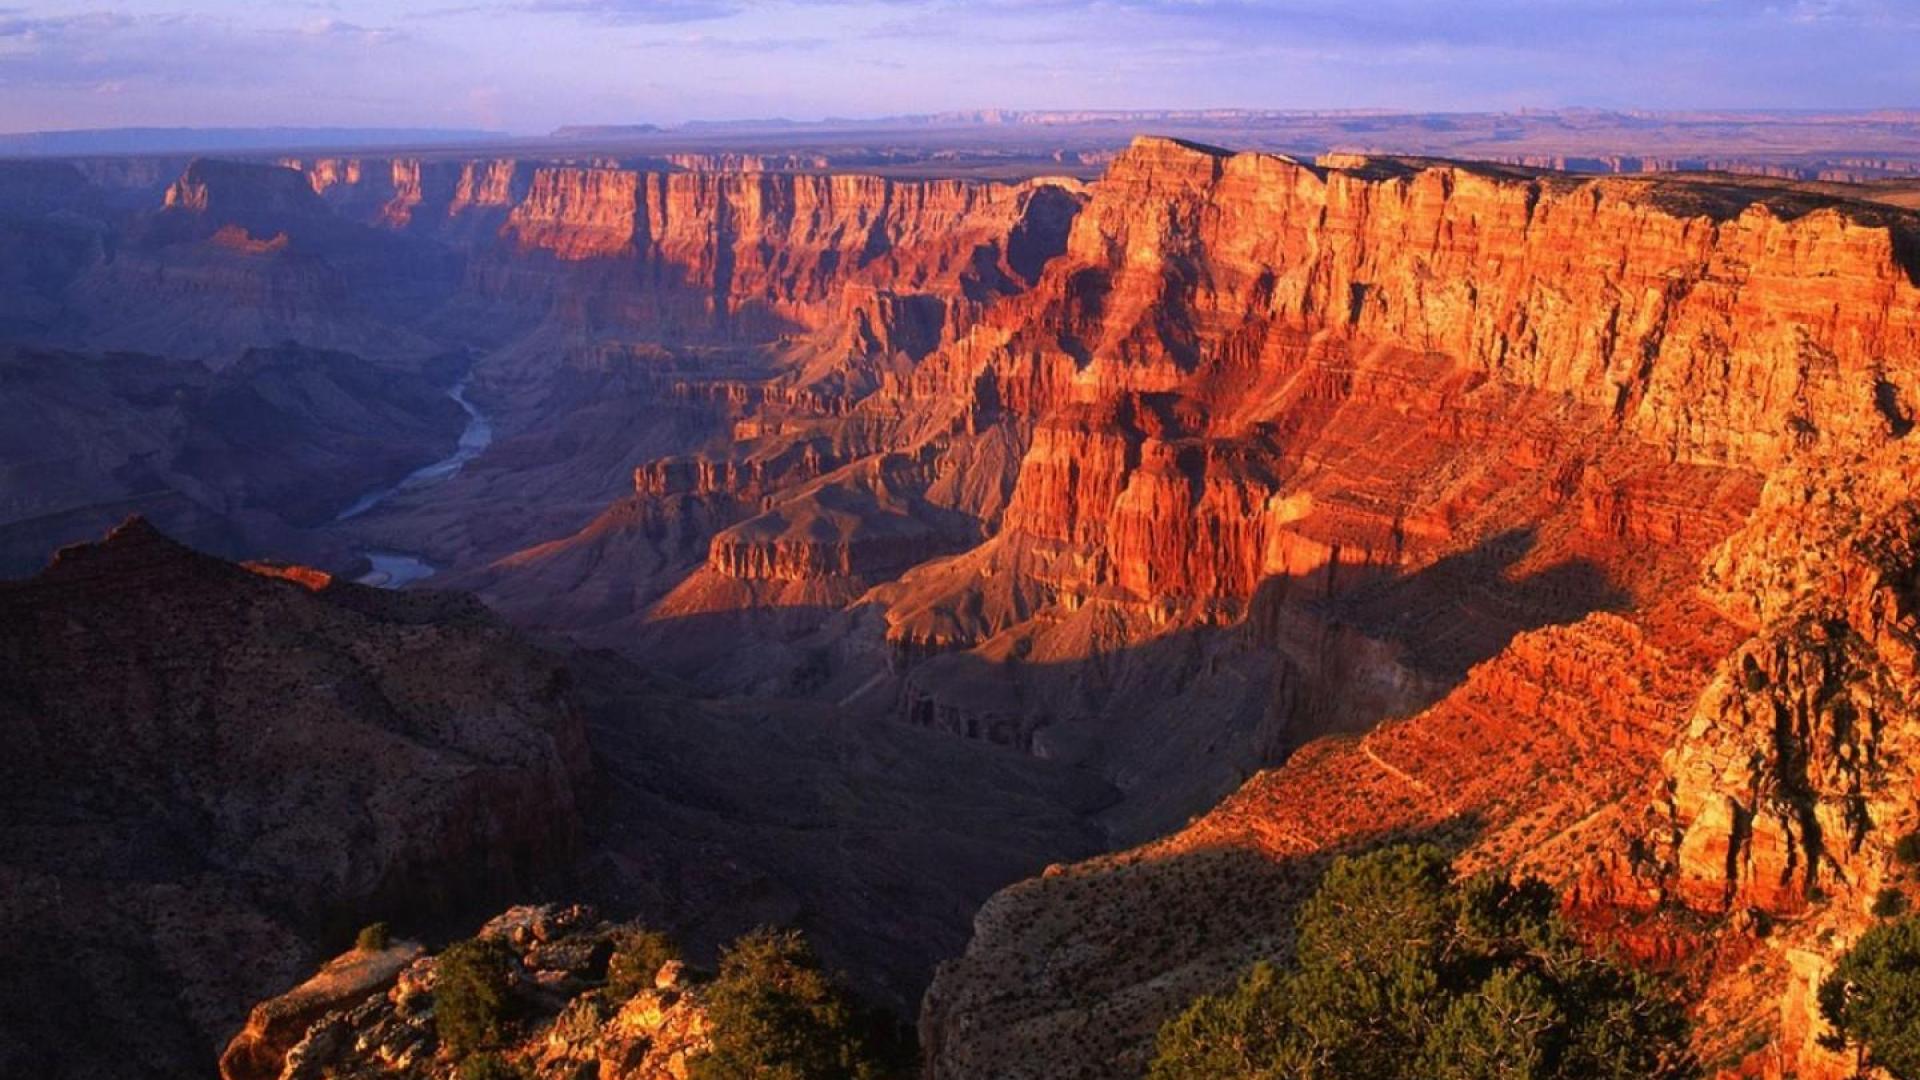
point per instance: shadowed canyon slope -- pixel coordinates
(217, 772)
(979, 525)
(210, 768)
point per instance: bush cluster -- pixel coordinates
(1872, 998)
(638, 956)
(1402, 971)
(775, 1013)
(471, 994)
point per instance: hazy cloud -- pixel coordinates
(340, 28)
(535, 64)
(637, 11)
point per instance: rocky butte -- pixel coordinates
(1222, 514)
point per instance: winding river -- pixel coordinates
(398, 569)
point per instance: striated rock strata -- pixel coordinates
(1439, 406)
(1562, 519)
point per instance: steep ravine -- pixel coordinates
(398, 569)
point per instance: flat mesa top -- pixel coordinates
(1847, 147)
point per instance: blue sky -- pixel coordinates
(531, 65)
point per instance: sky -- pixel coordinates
(527, 66)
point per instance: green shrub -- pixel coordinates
(1401, 971)
(775, 1013)
(1872, 998)
(489, 1066)
(1906, 850)
(1889, 903)
(373, 937)
(638, 956)
(470, 994)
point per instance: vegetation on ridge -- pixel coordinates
(1872, 998)
(638, 956)
(776, 1013)
(1403, 971)
(471, 993)
(772, 1012)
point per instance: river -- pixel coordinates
(394, 569)
(398, 569)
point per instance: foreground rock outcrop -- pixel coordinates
(277, 1025)
(372, 1014)
(211, 772)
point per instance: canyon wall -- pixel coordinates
(1170, 475)
(727, 253)
(1261, 413)
(1218, 320)
(394, 257)
(1448, 408)
(1562, 519)
(1723, 324)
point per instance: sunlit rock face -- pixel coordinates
(1562, 520)
(720, 253)
(746, 254)
(1376, 419)
(1793, 777)
(1387, 419)
(1261, 450)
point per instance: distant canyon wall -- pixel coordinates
(736, 251)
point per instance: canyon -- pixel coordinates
(1023, 583)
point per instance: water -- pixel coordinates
(474, 439)
(394, 569)
(398, 569)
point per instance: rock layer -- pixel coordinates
(1381, 394)
(1561, 519)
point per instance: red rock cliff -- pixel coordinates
(1434, 407)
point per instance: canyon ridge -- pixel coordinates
(1022, 572)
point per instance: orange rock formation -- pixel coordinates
(1440, 405)
(1539, 482)
(1569, 520)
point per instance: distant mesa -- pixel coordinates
(604, 131)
